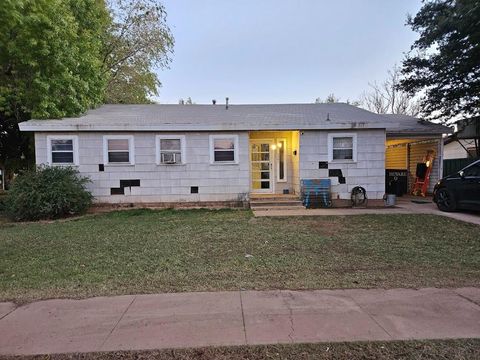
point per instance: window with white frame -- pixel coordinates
(170, 149)
(223, 149)
(342, 147)
(118, 149)
(62, 150)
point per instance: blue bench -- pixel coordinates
(316, 193)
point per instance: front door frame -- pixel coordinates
(270, 142)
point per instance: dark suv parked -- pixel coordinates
(460, 190)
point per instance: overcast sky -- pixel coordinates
(282, 51)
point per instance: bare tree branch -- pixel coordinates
(386, 98)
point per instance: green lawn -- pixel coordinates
(144, 251)
(467, 349)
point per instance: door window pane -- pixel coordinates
(281, 160)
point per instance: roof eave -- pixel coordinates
(25, 126)
(414, 134)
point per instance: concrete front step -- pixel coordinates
(264, 202)
(273, 197)
(275, 203)
(277, 208)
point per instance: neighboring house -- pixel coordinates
(458, 149)
(465, 142)
(211, 153)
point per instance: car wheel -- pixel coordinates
(445, 200)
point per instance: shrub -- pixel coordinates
(47, 193)
(3, 195)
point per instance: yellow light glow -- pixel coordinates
(279, 145)
(428, 164)
(274, 147)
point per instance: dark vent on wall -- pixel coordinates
(129, 183)
(323, 164)
(117, 191)
(101, 167)
(194, 190)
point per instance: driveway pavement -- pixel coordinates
(405, 205)
(236, 318)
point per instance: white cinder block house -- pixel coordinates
(211, 153)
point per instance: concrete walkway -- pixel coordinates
(404, 206)
(237, 318)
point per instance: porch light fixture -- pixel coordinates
(279, 145)
(274, 147)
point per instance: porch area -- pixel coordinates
(274, 165)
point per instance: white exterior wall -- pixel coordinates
(159, 183)
(454, 150)
(368, 171)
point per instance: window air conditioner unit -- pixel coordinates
(169, 158)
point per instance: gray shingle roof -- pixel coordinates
(159, 117)
(414, 126)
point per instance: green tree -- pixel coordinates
(138, 41)
(50, 64)
(444, 63)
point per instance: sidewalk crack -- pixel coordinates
(243, 318)
(8, 313)
(116, 324)
(290, 316)
(371, 317)
(466, 298)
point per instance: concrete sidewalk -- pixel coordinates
(237, 318)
